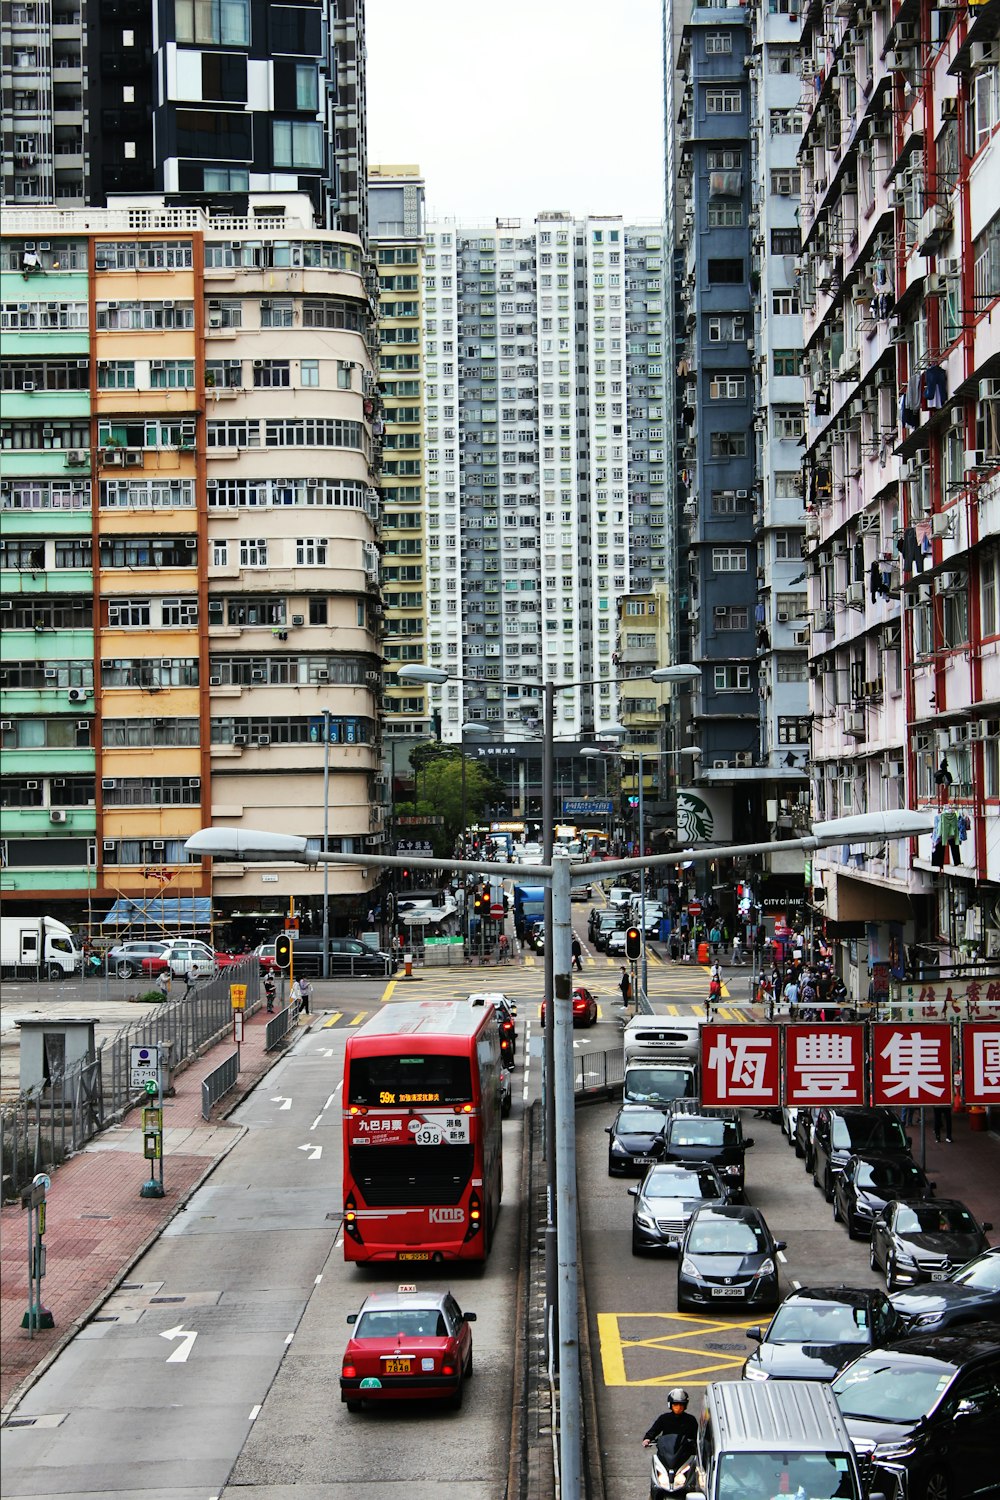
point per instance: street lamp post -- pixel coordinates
(248, 844)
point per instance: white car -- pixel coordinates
(187, 956)
(616, 944)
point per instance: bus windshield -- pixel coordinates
(416, 1078)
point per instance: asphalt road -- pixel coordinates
(214, 1369)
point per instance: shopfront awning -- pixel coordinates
(168, 913)
(863, 901)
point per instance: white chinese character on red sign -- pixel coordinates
(740, 1065)
(981, 1055)
(824, 1064)
(912, 1065)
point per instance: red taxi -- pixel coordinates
(407, 1345)
(584, 1007)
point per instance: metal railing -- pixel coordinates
(44, 1125)
(279, 1026)
(217, 1083)
(597, 1073)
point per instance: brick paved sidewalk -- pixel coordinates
(97, 1224)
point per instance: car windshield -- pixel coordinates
(681, 1185)
(935, 1219)
(641, 1121)
(861, 1133)
(726, 1237)
(895, 1176)
(704, 1133)
(662, 1084)
(808, 1322)
(984, 1273)
(411, 1322)
(875, 1389)
(759, 1476)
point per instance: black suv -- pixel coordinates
(839, 1134)
(817, 1330)
(923, 1414)
(711, 1135)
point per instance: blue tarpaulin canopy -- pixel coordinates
(160, 911)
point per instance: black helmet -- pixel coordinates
(678, 1396)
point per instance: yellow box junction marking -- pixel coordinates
(677, 1333)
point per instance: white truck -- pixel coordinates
(40, 946)
(661, 1057)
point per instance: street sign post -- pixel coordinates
(146, 1074)
(144, 1064)
(33, 1199)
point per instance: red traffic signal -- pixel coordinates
(283, 951)
(633, 943)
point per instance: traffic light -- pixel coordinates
(633, 943)
(283, 951)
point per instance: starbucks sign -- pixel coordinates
(703, 816)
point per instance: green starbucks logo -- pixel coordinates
(695, 820)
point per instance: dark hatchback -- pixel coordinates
(728, 1258)
(839, 1134)
(923, 1414)
(717, 1138)
(818, 1330)
(636, 1139)
(668, 1198)
(867, 1183)
(971, 1295)
(921, 1241)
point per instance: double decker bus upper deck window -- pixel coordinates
(401, 1081)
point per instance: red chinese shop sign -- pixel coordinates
(740, 1066)
(981, 1062)
(824, 1065)
(911, 1064)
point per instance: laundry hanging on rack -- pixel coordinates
(934, 387)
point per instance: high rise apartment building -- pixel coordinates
(546, 486)
(741, 589)
(197, 102)
(900, 283)
(189, 559)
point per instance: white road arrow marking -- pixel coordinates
(180, 1354)
(325, 1051)
(317, 1151)
(281, 1101)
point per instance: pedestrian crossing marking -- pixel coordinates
(338, 1015)
(362, 1015)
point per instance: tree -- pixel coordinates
(437, 773)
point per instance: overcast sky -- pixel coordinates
(514, 106)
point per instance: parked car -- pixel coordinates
(670, 1194)
(348, 956)
(635, 1139)
(407, 1345)
(867, 1183)
(818, 1330)
(186, 956)
(914, 1240)
(839, 1134)
(728, 1255)
(803, 1137)
(923, 1414)
(584, 1007)
(714, 1136)
(125, 959)
(971, 1294)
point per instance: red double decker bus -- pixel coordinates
(422, 1151)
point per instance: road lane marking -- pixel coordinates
(179, 1355)
(281, 1101)
(331, 1098)
(318, 1279)
(317, 1151)
(387, 992)
(361, 1015)
(338, 1015)
(254, 1413)
(796, 1284)
(316, 1121)
(783, 1257)
(677, 1333)
(288, 1338)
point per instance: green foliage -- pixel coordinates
(437, 772)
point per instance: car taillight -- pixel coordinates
(351, 1225)
(447, 1369)
(349, 1372)
(475, 1215)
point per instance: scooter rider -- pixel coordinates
(676, 1423)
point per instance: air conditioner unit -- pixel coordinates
(958, 734)
(133, 459)
(159, 843)
(721, 765)
(800, 637)
(783, 617)
(56, 815)
(50, 674)
(744, 758)
(31, 786)
(323, 676)
(883, 377)
(76, 456)
(721, 611)
(856, 595)
(157, 364)
(983, 55)
(977, 730)
(934, 285)
(112, 458)
(239, 739)
(215, 320)
(27, 385)
(6, 724)
(900, 60)
(78, 695)
(854, 722)
(194, 781)
(298, 619)
(263, 739)
(83, 723)
(108, 784)
(215, 682)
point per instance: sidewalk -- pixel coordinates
(98, 1226)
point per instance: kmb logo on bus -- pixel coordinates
(445, 1215)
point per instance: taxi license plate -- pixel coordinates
(727, 1291)
(396, 1367)
(413, 1255)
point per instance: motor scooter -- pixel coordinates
(668, 1477)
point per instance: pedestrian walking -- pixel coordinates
(675, 948)
(942, 1121)
(504, 947)
(737, 950)
(714, 994)
(188, 982)
(790, 995)
(577, 951)
(295, 996)
(305, 991)
(715, 938)
(625, 985)
(163, 984)
(269, 990)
